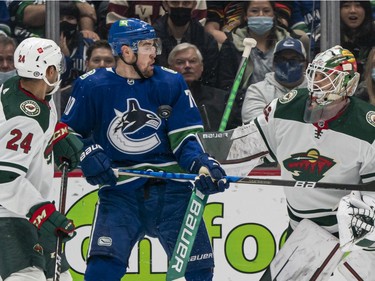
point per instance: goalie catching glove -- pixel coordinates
(211, 177)
(356, 220)
(66, 147)
(50, 222)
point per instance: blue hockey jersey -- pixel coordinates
(123, 116)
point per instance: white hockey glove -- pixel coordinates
(356, 221)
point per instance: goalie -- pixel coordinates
(322, 133)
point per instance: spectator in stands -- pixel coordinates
(223, 17)
(72, 43)
(260, 25)
(178, 26)
(289, 65)
(306, 17)
(146, 10)
(366, 89)
(186, 59)
(98, 54)
(28, 19)
(357, 30)
(4, 19)
(7, 47)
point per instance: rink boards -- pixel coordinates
(246, 226)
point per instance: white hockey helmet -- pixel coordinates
(332, 75)
(34, 55)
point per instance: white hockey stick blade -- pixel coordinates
(238, 145)
(310, 254)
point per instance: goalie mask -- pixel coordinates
(34, 55)
(331, 77)
(131, 32)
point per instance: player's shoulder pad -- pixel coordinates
(16, 103)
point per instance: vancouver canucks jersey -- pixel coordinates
(26, 167)
(127, 117)
(341, 150)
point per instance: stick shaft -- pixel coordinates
(62, 204)
(233, 94)
(251, 181)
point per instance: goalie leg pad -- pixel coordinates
(310, 253)
(358, 265)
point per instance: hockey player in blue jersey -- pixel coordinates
(139, 115)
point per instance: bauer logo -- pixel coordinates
(105, 241)
(30, 108)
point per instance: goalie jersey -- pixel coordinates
(140, 123)
(26, 164)
(340, 150)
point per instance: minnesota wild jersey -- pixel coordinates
(340, 150)
(26, 167)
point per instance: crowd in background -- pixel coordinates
(211, 36)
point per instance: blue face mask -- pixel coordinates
(373, 74)
(288, 71)
(260, 25)
(6, 75)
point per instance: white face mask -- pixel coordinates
(373, 74)
(6, 75)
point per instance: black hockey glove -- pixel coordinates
(96, 166)
(211, 176)
(66, 147)
(50, 222)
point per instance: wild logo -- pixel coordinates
(370, 117)
(30, 108)
(288, 97)
(308, 166)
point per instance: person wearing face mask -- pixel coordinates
(28, 18)
(259, 23)
(289, 64)
(7, 47)
(366, 89)
(178, 26)
(72, 43)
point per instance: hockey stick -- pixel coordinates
(62, 201)
(252, 181)
(184, 244)
(249, 43)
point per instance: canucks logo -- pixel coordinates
(134, 131)
(308, 166)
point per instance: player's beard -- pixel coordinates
(148, 71)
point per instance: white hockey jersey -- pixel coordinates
(341, 150)
(26, 164)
